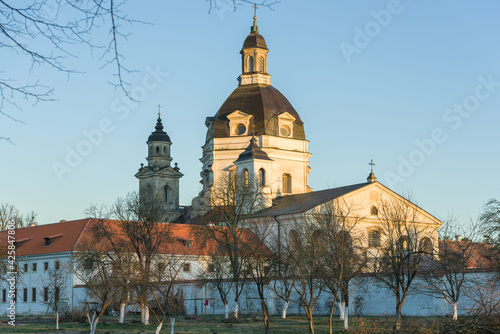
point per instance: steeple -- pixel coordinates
(254, 57)
(158, 181)
(159, 145)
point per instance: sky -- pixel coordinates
(413, 85)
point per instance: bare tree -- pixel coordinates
(260, 261)
(490, 219)
(41, 34)
(10, 214)
(397, 261)
(53, 292)
(235, 198)
(304, 251)
(342, 256)
(484, 291)
(216, 273)
(139, 224)
(104, 264)
(445, 274)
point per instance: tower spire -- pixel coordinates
(371, 177)
(254, 29)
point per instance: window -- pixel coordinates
(161, 267)
(165, 149)
(374, 238)
(245, 178)
(45, 266)
(25, 295)
(33, 267)
(403, 243)
(211, 268)
(262, 177)
(166, 191)
(4, 295)
(287, 183)
(426, 245)
(25, 267)
(250, 64)
(240, 129)
(33, 294)
(261, 64)
(149, 193)
(56, 265)
(188, 244)
(157, 149)
(374, 211)
(46, 294)
(186, 267)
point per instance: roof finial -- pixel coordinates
(159, 107)
(371, 178)
(371, 163)
(255, 28)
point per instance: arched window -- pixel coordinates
(262, 177)
(157, 149)
(164, 149)
(250, 64)
(343, 240)
(245, 177)
(403, 244)
(287, 183)
(374, 211)
(426, 246)
(374, 238)
(261, 64)
(166, 191)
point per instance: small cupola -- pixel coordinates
(254, 57)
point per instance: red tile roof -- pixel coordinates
(72, 235)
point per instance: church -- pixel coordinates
(256, 133)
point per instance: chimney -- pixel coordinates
(458, 238)
(32, 224)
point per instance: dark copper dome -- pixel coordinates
(264, 103)
(255, 41)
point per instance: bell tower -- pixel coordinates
(159, 181)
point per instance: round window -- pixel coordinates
(285, 131)
(240, 129)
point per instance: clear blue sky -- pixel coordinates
(365, 89)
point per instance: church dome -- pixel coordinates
(255, 41)
(159, 134)
(265, 103)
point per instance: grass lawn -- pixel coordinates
(216, 324)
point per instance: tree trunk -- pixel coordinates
(310, 318)
(265, 316)
(144, 315)
(57, 321)
(227, 311)
(122, 313)
(342, 310)
(284, 309)
(346, 317)
(158, 328)
(455, 310)
(93, 324)
(236, 309)
(330, 319)
(172, 324)
(397, 325)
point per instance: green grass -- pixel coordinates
(216, 324)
